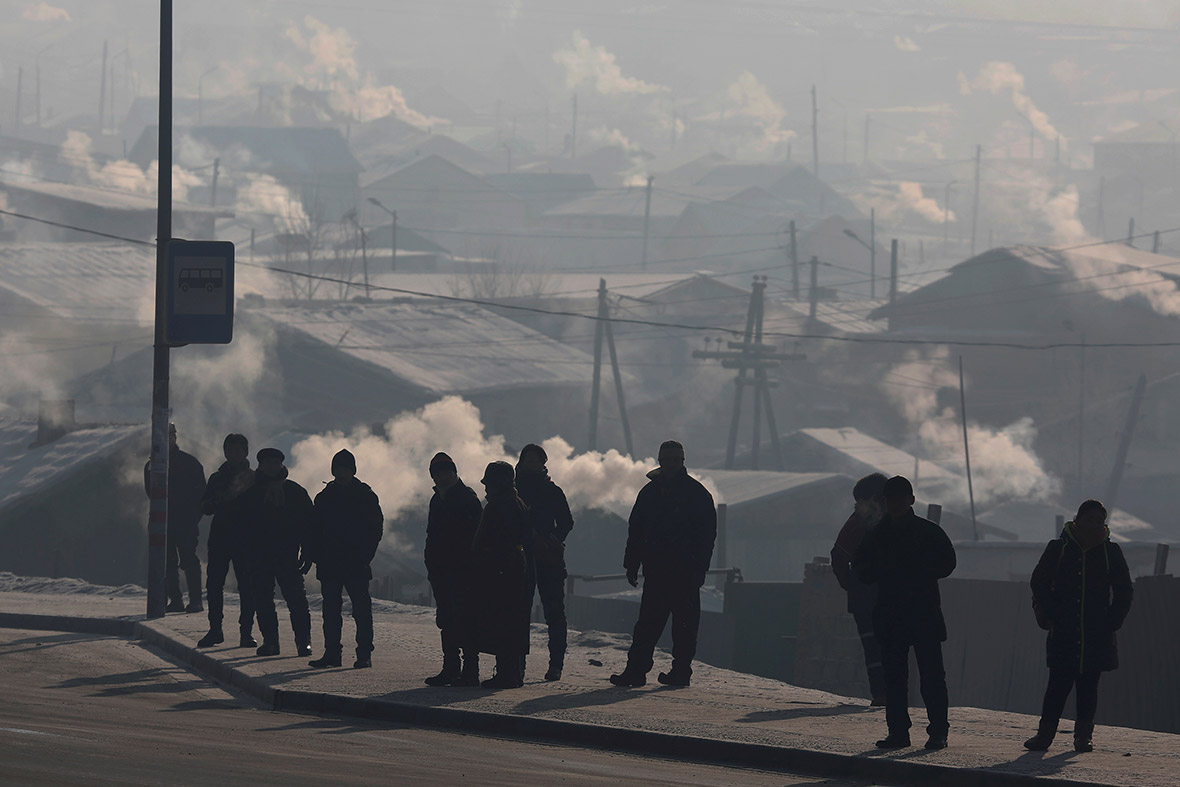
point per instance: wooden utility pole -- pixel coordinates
(1101, 218)
(614, 366)
(1131, 232)
(1155, 242)
(646, 220)
(967, 450)
(213, 187)
(814, 292)
(815, 143)
(1120, 457)
(872, 252)
(102, 90)
(975, 201)
(37, 95)
(602, 329)
(892, 271)
(793, 250)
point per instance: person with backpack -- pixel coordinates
(1081, 593)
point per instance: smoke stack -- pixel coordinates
(55, 418)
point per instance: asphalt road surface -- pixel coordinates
(78, 709)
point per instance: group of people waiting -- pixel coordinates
(889, 561)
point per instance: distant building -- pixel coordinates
(433, 194)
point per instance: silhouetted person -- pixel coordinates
(551, 522)
(501, 583)
(227, 541)
(454, 517)
(670, 536)
(186, 487)
(346, 532)
(279, 514)
(905, 556)
(870, 507)
(1082, 586)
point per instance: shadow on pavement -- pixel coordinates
(1036, 762)
(785, 714)
(43, 643)
(583, 699)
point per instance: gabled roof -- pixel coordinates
(552, 187)
(281, 150)
(108, 199)
(82, 281)
(449, 176)
(407, 240)
(1142, 134)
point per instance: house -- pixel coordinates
(542, 191)
(433, 193)
(1147, 151)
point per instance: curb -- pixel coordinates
(618, 739)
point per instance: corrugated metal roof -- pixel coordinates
(109, 199)
(24, 471)
(82, 281)
(870, 451)
(441, 349)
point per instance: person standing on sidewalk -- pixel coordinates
(451, 523)
(1082, 587)
(551, 522)
(905, 556)
(502, 619)
(345, 534)
(870, 507)
(227, 541)
(186, 488)
(670, 535)
(279, 513)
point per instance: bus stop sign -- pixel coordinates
(200, 292)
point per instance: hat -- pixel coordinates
(270, 453)
(345, 459)
(535, 449)
(236, 439)
(671, 449)
(499, 474)
(440, 462)
(898, 488)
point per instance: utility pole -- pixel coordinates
(892, 271)
(393, 242)
(794, 252)
(814, 294)
(1131, 233)
(646, 221)
(37, 96)
(975, 202)
(1081, 415)
(967, 450)
(865, 155)
(574, 130)
(614, 366)
(1120, 457)
(815, 140)
(1155, 242)
(158, 467)
(364, 258)
(102, 89)
(599, 330)
(213, 189)
(873, 253)
(1101, 219)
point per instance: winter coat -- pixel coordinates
(222, 500)
(905, 557)
(861, 597)
(451, 523)
(346, 531)
(502, 603)
(672, 528)
(550, 520)
(1086, 594)
(186, 487)
(278, 514)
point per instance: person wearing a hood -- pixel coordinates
(278, 513)
(227, 542)
(502, 616)
(905, 556)
(870, 507)
(345, 534)
(451, 523)
(550, 521)
(186, 487)
(1082, 587)
(670, 535)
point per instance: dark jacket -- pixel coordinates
(222, 500)
(1087, 594)
(346, 531)
(905, 557)
(550, 520)
(186, 487)
(672, 528)
(501, 576)
(278, 514)
(450, 530)
(861, 597)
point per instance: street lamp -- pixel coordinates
(872, 260)
(351, 217)
(201, 95)
(393, 233)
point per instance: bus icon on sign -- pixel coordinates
(209, 279)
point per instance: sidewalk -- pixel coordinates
(724, 716)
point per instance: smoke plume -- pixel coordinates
(584, 63)
(998, 77)
(44, 12)
(749, 99)
(123, 175)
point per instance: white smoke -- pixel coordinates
(371, 101)
(263, 196)
(1000, 76)
(1117, 273)
(749, 99)
(585, 63)
(894, 206)
(1003, 464)
(44, 12)
(332, 50)
(905, 44)
(123, 175)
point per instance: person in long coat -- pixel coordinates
(451, 523)
(186, 488)
(501, 577)
(346, 531)
(1082, 588)
(905, 556)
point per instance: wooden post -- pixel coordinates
(967, 450)
(599, 330)
(1161, 560)
(892, 271)
(1120, 456)
(614, 365)
(794, 251)
(814, 287)
(975, 202)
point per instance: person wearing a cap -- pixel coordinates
(451, 523)
(186, 487)
(345, 534)
(278, 513)
(226, 541)
(502, 618)
(550, 521)
(905, 556)
(670, 537)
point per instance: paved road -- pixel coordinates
(76, 709)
